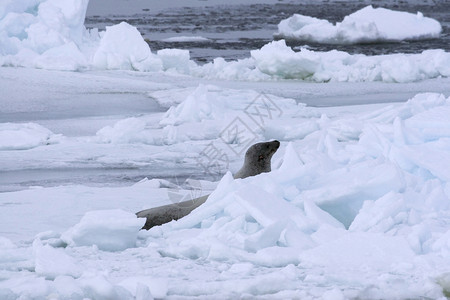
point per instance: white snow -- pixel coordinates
(357, 205)
(367, 25)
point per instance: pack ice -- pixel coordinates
(358, 208)
(29, 39)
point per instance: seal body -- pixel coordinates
(166, 213)
(257, 160)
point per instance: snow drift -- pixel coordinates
(50, 35)
(367, 25)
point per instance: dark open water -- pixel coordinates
(234, 30)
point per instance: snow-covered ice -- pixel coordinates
(367, 25)
(356, 206)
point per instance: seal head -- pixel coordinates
(257, 159)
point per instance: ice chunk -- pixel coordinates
(216, 203)
(278, 60)
(266, 208)
(66, 57)
(124, 131)
(50, 34)
(175, 60)
(66, 18)
(320, 216)
(432, 124)
(52, 27)
(276, 257)
(99, 287)
(121, 47)
(156, 287)
(343, 191)
(52, 262)
(291, 162)
(196, 107)
(17, 136)
(382, 214)
(109, 230)
(266, 237)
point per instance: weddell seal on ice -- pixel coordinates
(257, 161)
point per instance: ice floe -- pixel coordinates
(367, 25)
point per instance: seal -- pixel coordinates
(257, 160)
